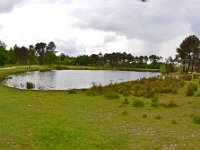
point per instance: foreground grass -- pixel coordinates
(59, 120)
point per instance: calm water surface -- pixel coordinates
(72, 79)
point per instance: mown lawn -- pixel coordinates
(58, 120)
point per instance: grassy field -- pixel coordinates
(81, 120)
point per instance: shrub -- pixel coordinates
(187, 77)
(164, 69)
(196, 76)
(139, 93)
(196, 119)
(124, 91)
(174, 90)
(155, 98)
(158, 117)
(112, 95)
(150, 94)
(125, 102)
(182, 83)
(29, 85)
(138, 103)
(155, 104)
(144, 116)
(191, 88)
(95, 90)
(197, 94)
(174, 122)
(124, 112)
(72, 91)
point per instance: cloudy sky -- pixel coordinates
(93, 26)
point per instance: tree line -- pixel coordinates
(188, 57)
(42, 53)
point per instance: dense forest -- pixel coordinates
(188, 57)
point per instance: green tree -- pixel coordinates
(51, 46)
(155, 61)
(32, 59)
(21, 54)
(41, 50)
(62, 58)
(3, 54)
(50, 58)
(189, 53)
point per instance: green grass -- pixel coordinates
(56, 120)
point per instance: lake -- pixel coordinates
(73, 79)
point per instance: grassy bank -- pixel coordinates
(143, 114)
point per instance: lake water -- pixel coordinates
(73, 79)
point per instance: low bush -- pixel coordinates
(112, 95)
(124, 112)
(196, 119)
(138, 103)
(196, 76)
(155, 104)
(187, 77)
(29, 85)
(155, 98)
(197, 94)
(125, 102)
(158, 117)
(95, 90)
(174, 122)
(190, 89)
(144, 116)
(72, 91)
(174, 90)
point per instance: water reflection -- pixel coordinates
(70, 79)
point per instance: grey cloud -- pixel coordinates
(193, 17)
(155, 20)
(8, 5)
(70, 47)
(109, 39)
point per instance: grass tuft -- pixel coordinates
(124, 113)
(125, 102)
(138, 103)
(29, 85)
(196, 119)
(144, 116)
(159, 117)
(174, 122)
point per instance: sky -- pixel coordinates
(80, 27)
